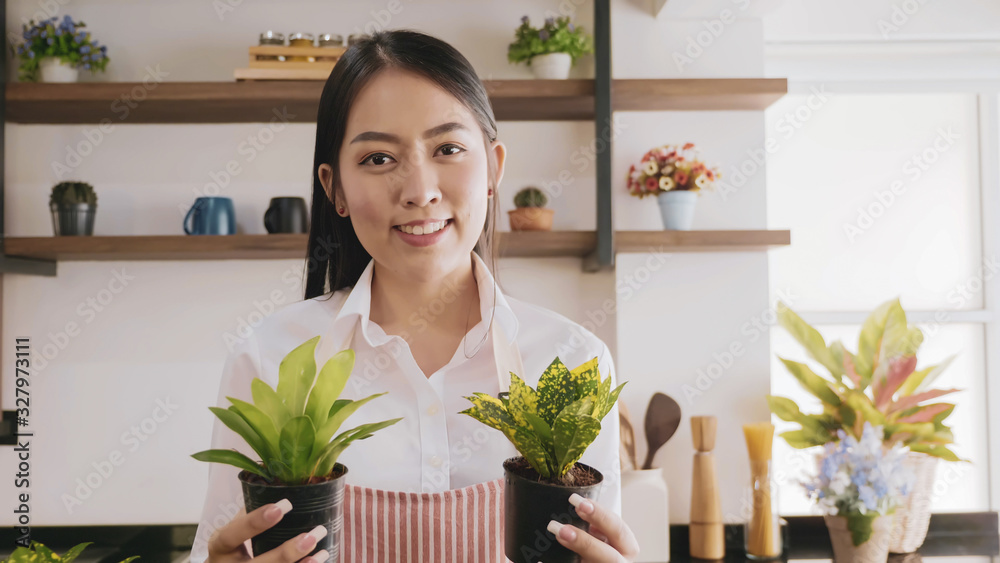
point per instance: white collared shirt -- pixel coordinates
(434, 448)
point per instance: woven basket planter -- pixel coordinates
(910, 521)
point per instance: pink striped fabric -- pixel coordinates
(456, 526)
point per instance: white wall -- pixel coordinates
(162, 338)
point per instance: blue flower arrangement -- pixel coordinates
(861, 480)
(65, 40)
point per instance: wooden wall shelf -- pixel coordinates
(525, 244)
(257, 101)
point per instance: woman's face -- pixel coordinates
(413, 153)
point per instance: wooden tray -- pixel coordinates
(289, 70)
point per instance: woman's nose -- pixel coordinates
(419, 185)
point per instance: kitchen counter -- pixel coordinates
(953, 538)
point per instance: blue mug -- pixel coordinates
(211, 216)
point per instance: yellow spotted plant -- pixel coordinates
(553, 425)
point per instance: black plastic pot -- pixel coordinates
(319, 504)
(73, 219)
(529, 506)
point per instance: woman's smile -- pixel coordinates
(423, 235)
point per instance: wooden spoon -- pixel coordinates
(663, 417)
(627, 434)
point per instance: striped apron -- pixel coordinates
(460, 525)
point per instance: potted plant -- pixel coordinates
(879, 385)
(551, 50)
(530, 213)
(675, 176)
(859, 483)
(292, 429)
(38, 553)
(550, 427)
(56, 52)
(73, 206)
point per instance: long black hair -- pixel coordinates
(335, 255)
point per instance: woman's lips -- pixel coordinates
(423, 240)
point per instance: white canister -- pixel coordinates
(551, 65)
(53, 69)
(646, 511)
(677, 209)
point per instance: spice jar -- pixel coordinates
(300, 40)
(271, 38)
(355, 37)
(329, 40)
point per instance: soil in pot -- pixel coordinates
(318, 503)
(530, 503)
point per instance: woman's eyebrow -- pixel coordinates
(428, 134)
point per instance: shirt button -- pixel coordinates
(435, 461)
(432, 410)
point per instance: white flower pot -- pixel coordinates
(54, 69)
(910, 521)
(551, 65)
(646, 510)
(677, 209)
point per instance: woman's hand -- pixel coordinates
(228, 543)
(609, 539)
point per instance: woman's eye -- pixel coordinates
(378, 155)
(446, 147)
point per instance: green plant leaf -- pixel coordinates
(533, 450)
(860, 526)
(556, 389)
(863, 406)
(927, 413)
(522, 400)
(542, 430)
(571, 435)
(332, 424)
(588, 377)
(612, 399)
(267, 400)
(802, 439)
(921, 379)
(260, 422)
(45, 553)
(296, 373)
(886, 385)
(870, 339)
(74, 552)
(297, 438)
(237, 424)
(490, 411)
(810, 339)
(936, 451)
(603, 403)
(231, 457)
(813, 383)
(784, 408)
(329, 385)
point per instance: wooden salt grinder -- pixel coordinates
(706, 531)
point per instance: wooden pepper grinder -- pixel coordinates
(706, 532)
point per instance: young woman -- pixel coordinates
(405, 185)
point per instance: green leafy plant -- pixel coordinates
(72, 193)
(65, 40)
(553, 425)
(530, 197)
(879, 385)
(291, 427)
(38, 553)
(557, 35)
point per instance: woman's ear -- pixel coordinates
(326, 178)
(500, 153)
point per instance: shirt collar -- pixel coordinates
(357, 306)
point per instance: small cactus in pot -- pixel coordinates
(73, 206)
(530, 213)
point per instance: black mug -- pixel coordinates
(286, 215)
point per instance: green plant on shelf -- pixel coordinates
(38, 553)
(557, 35)
(72, 193)
(530, 197)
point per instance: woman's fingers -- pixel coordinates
(297, 548)
(590, 548)
(609, 524)
(228, 543)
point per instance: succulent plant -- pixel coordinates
(38, 553)
(553, 425)
(530, 197)
(292, 427)
(879, 385)
(71, 193)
